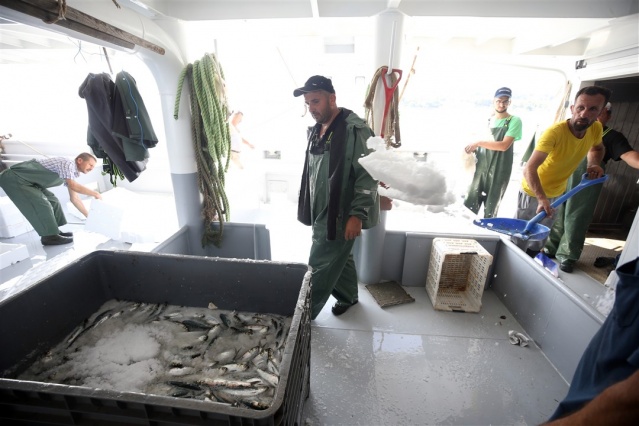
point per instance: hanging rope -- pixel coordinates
(111, 169)
(211, 140)
(391, 126)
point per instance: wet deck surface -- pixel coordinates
(410, 364)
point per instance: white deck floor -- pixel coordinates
(411, 365)
(402, 365)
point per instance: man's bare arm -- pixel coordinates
(502, 145)
(532, 177)
(81, 189)
(595, 156)
(631, 158)
(617, 405)
(74, 189)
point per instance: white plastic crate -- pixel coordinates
(457, 273)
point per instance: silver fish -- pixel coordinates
(223, 383)
(226, 356)
(272, 368)
(226, 320)
(242, 392)
(181, 371)
(243, 366)
(214, 331)
(184, 385)
(77, 332)
(250, 354)
(256, 404)
(258, 328)
(192, 324)
(270, 378)
(214, 372)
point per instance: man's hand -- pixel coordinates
(470, 148)
(385, 203)
(594, 172)
(353, 228)
(74, 189)
(544, 204)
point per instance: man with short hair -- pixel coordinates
(557, 155)
(25, 184)
(338, 198)
(568, 234)
(494, 158)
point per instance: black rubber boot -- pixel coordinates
(339, 308)
(55, 240)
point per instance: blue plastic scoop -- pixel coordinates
(532, 230)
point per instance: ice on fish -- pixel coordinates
(185, 352)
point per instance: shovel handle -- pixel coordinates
(585, 182)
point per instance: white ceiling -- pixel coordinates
(511, 27)
(196, 10)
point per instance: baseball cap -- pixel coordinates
(503, 91)
(317, 82)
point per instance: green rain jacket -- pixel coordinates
(342, 187)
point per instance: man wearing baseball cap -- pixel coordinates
(338, 198)
(494, 158)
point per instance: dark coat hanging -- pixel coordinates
(119, 126)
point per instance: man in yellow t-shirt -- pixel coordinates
(556, 156)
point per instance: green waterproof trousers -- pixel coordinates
(492, 174)
(25, 184)
(333, 267)
(568, 233)
(333, 273)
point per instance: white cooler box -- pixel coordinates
(12, 222)
(12, 253)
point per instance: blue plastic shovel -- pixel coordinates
(532, 230)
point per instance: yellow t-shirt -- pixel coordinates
(565, 152)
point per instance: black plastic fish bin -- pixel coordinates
(39, 317)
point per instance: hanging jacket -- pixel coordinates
(99, 92)
(131, 121)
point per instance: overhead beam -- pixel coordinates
(47, 11)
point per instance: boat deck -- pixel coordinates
(401, 365)
(410, 364)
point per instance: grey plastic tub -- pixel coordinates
(36, 319)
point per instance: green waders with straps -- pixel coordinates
(331, 260)
(568, 233)
(25, 184)
(492, 174)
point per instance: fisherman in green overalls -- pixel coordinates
(26, 185)
(338, 197)
(494, 159)
(568, 234)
